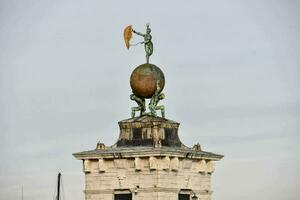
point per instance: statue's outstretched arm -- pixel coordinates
(138, 33)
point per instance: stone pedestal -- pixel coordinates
(147, 162)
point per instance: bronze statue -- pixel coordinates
(141, 105)
(147, 80)
(154, 101)
(147, 40)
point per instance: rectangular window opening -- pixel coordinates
(123, 195)
(183, 197)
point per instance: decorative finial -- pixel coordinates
(100, 145)
(147, 39)
(197, 147)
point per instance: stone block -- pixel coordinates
(87, 165)
(174, 163)
(202, 166)
(138, 164)
(210, 167)
(164, 163)
(102, 165)
(153, 163)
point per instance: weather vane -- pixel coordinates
(147, 40)
(147, 80)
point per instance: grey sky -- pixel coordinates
(232, 80)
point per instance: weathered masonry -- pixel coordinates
(148, 162)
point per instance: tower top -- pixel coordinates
(147, 80)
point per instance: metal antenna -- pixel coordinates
(58, 186)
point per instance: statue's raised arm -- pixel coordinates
(138, 33)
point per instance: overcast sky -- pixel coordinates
(232, 73)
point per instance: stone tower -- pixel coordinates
(148, 162)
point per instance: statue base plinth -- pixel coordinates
(148, 130)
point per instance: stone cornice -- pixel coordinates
(146, 152)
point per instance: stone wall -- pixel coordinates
(151, 177)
